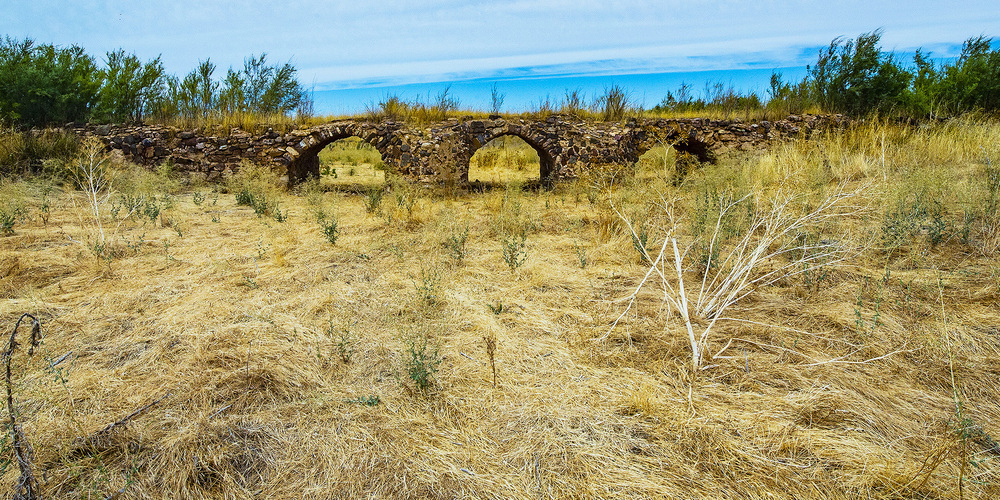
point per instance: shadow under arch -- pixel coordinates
(689, 152)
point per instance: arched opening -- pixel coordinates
(664, 162)
(350, 161)
(509, 158)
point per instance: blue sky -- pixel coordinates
(353, 44)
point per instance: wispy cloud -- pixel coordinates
(342, 43)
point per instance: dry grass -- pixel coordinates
(855, 383)
(504, 160)
(351, 161)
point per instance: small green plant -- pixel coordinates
(422, 362)
(640, 244)
(136, 247)
(248, 198)
(344, 340)
(215, 218)
(329, 224)
(280, 216)
(813, 277)
(914, 215)
(497, 309)
(262, 207)
(428, 285)
(198, 198)
(249, 282)
(937, 227)
(7, 222)
(456, 244)
(876, 318)
(100, 250)
(372, 400)
(373, 199)
(514, 249)
(581, 255)
(10, 215)
(262, 248)
(150, 208)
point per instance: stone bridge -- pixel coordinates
(566, 144)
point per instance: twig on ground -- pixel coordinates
(26, 486)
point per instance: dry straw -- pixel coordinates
(833, 383)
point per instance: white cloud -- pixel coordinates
(417, 41)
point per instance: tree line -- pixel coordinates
(43, 84)
(856, 77)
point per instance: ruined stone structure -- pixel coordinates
(441, 151)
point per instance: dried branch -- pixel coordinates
(127, 418)
(96, 439)
(747, 264)
(26, 487)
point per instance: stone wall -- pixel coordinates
(441, 151)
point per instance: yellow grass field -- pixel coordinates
(335, 345)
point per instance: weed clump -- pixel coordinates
(329, 224)
(257, 187)
(514, 250)
(456, 243)
(421, 362)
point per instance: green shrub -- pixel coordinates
(329, 224)
(614, 103)
(44, 84)
(856, 77)
(257, 187)
(514, 250)
(7, 221)
(421, 362)
(971, 82)
(428, 285)
(456, 244)
(27, 152)
(373, 199)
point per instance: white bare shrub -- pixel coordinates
(93, 175)
(769, 249)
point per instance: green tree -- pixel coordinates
(231, 98)
(129, 88)
(856, 77)
(261, 88)
(973, 81)
(44, 84)
(197, 95)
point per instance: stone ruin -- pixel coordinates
(440, 152)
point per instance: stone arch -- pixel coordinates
(303, 159)
(681, 139)
(696, 147)
(546, 160)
